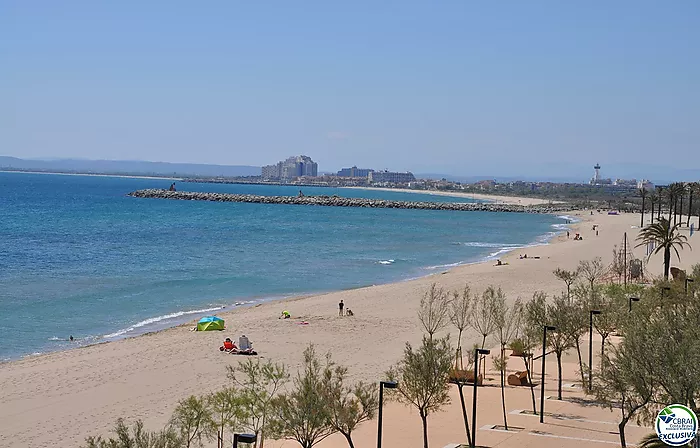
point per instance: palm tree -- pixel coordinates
(660, 193)
(653, 198)
(643, 194)
(676, 192)
(666, 237)
(692, 188)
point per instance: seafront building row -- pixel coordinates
(303, 166)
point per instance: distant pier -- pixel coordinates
(337, 201)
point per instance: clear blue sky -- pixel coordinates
(460, 87)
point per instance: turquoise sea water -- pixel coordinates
(78, 257)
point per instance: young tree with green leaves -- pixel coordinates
(190, 419)
(483, 309)
(459, 313)
(591, 270)
(227, 409)
(539, 313)
(136, 437)
(422, 377)
(622, 383)
(303, 413)
(348, 406)
(259, 383)
(568, 277)
(434, 311)
(507, 320)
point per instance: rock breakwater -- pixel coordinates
(337, 201)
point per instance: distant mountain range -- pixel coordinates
(133, 167)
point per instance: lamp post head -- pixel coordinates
(389, 384)
(634, 299)
(689, 280)
(595, 312)
(482, 351)
(247, 438)
(549, 328)
(666, 288)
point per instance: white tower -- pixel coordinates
(596, 176)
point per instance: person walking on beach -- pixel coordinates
(567, 234)
(341, 305)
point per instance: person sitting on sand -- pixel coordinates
(285, 315)
(349, 312)
(498, 262)
(228, 346)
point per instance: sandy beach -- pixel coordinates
(60, 398)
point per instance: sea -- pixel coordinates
(80, 258)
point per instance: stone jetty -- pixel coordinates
(337, 201)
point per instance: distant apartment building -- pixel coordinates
(295, 166)
(391, 177)
(354, 172)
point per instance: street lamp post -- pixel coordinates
(633, 299)
(478, 352)
(544, 353)
(688, 280)
(590, 348)
(243, 438)
(382, 385)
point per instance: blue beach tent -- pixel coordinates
(210, 323)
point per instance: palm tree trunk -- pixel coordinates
(680, 218)
(652, 212)
(642, 223)
(667, 261)
(690, 207)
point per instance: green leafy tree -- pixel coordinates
(303, 413)
(136, 437)
(190, 419)
(259, 383)
(621, 383)
(507, 320)
(539, 313)
(568, 277)
(347, 406)
(460, 311)
(591, 270)
(666, 238)
(483, 313)
(434, 311)
(227, 410)
(422, 377)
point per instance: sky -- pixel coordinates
(457, 87)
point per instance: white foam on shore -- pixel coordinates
(386, 262)
(488, 245)
(154, 320)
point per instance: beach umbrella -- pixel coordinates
(210, 323)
